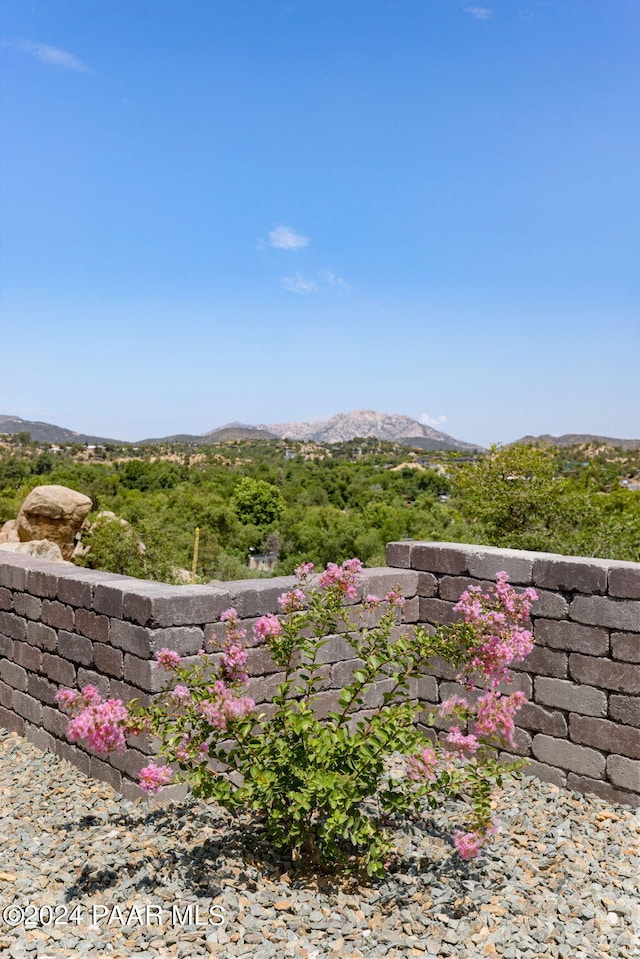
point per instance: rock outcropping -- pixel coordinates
(54, 513)
(9, 532)
(41, 548)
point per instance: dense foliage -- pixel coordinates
(303, 502)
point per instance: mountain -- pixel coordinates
(223, 434)
(395, 428)
(48, 433)
(238, 431)
(188, 439)
(337, 429)
(579, 439)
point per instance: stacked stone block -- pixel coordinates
(581, 727)
(61, 626)
(65, 626)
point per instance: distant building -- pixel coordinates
(263, 562)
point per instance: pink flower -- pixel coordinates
(394, 598)
(90, 695)
(372, 600)
(225, 706)
(233, 659)
(214, 715)
(66, 699)
(103, 727)
(304, 571)
(497, 616)
(229, 615)
(182, 754)
(456, 740)
(342, 578)
(238, 708)
(168, 659)
(153, 778)
(422, 766)
(468, 844)
(267, 627)
(453, 705)
(180, 692)
(292, 601)
(495, 714)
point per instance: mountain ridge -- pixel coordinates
(578, 439)
(395, 427)
(49, 433)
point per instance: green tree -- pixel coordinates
(512, 496)
(257, 502)
(116, 546)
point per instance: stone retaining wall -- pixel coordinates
(66, 626)
(581, 728)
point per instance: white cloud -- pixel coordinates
(434, 421)
(334, 280)
(284, 238)
(299, 284)
(480, 13)
(53, 56)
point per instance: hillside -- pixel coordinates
(48, 433)
(579, 439)
(394, 428)
(188, 439)
(237, 431)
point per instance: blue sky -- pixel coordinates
(270, 210)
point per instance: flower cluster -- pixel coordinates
(292, 601)
(103, 725)
(468, 844)
(233, 658)
(223, 706)
(395, 599)
(343, 578)
(267, 627)
(498, 618)
(153, 778)
(494, 714)
(303, 572)
(235, 632)
(168, 659)
(422, 766)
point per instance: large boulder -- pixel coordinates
(9, 532)
(41, 548)
(54, 513)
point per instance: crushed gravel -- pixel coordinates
(83, 871)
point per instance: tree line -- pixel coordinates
(300, 502)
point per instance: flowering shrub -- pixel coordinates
(310, 777)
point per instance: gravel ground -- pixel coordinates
(561, 880)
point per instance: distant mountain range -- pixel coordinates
(579, 439)
(338, 429)
(394, 428)
(47, 433)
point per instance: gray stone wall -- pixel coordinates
(62, 626)
(581, 727)
(65, 626)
